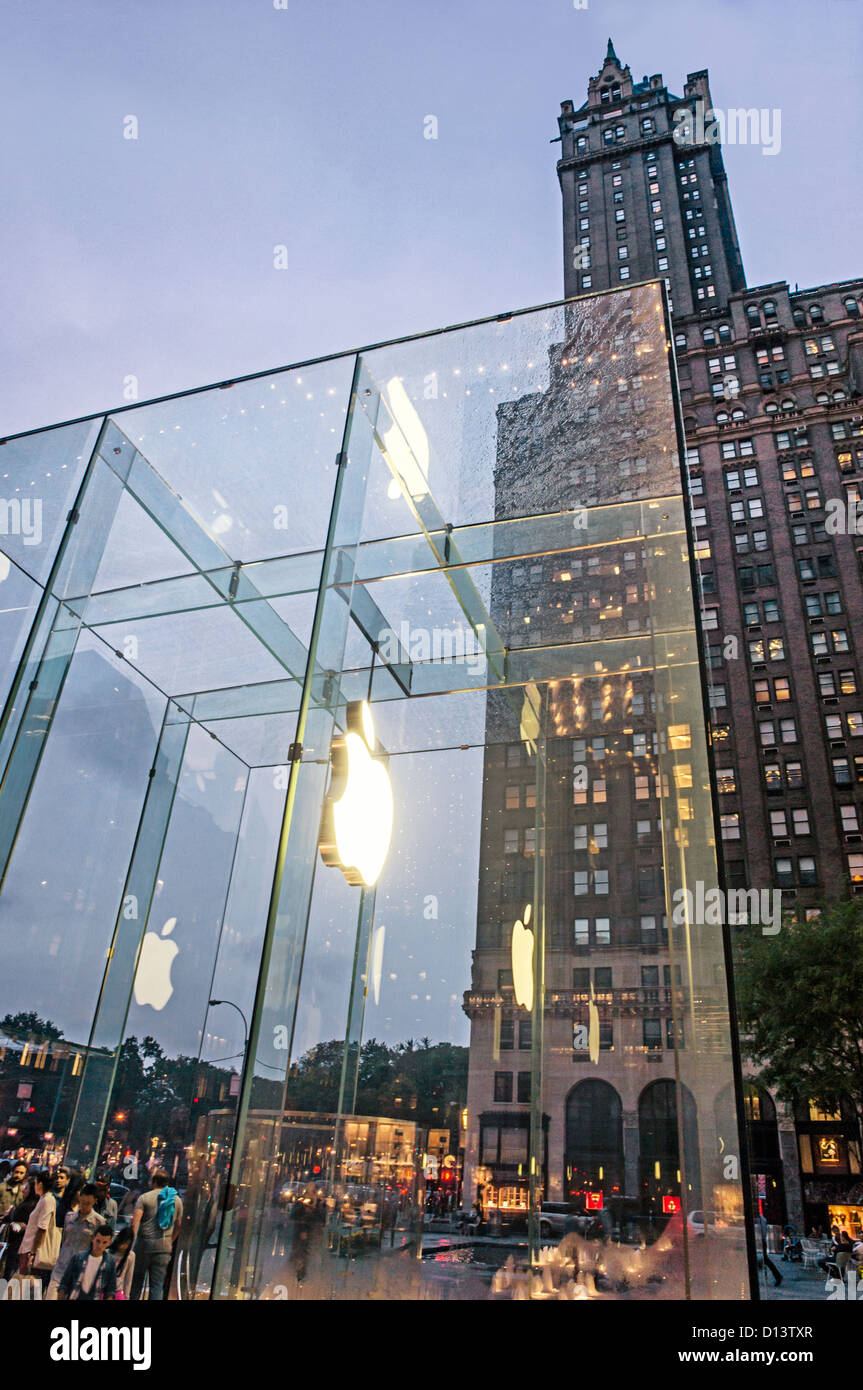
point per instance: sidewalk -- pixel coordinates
(798, 1284)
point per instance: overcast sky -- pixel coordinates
(303, 127)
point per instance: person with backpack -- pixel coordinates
(156, 1225)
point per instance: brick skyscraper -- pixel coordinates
(770, 383)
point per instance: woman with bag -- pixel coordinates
(41, 1243)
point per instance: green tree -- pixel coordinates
(25, 1026)
(800, 998)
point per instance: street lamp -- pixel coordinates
(232, 1005)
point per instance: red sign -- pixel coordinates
(670, 1205)
(593, 1201)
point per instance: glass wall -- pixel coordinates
(382, 929)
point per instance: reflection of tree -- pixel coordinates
(155, 1093)
(29, 1027)
(420, 1081)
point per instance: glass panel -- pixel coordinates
(353, 1070)
(39, 478)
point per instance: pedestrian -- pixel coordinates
(40, 1245)
(91, 1275)
(105, 1204)
(13, 1188)
(66, 1187)
(124, 1256)
(768, 1263)
(78, 1230)
(156, 1226)
(16, 1225)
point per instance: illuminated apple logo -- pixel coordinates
(153, 976)
(593, 1028)
(358, 814)
(522, 961)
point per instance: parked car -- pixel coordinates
(555, 1218)
(717, 1223)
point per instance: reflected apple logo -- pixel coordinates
(357, 824)
(153, 977)
(522, 960)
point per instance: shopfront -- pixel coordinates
(354, 772)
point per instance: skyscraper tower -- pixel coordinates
(641, 196)
(770, 385)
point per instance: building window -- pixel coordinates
(502, 1087)
(523, 1093)
(652, 1034)
(800, 821)
(507, 1034)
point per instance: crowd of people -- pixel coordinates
(71, 1236)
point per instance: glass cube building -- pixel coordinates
(356, 821)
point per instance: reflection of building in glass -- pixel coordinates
(610, 1121)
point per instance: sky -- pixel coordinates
(134, 267)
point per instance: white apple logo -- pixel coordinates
(522, 961)
(153, 976)
(358, 825)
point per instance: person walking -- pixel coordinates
(65, 1193)
(91, 1275)
(13, 1189)
(156, 1226)
(105, 1204)
(768, 1263)
(40, 1245)
(16, 1225)
(124, 1257)
(78, 1230)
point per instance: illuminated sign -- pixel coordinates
(522, 960)
(593, 1201)
(358, 813)
(671, 1205)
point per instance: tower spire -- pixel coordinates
(611, 54)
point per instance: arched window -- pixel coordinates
(788, 403)
(724, 333)
(852, 308)
(771, 408)
(593, 1160)
(799, 317)
(722, 417)
(754, 315)
(658, 1141)
(769, 307)
(840, 395)
(738, 414)
(709, 337)
(821, 398)
(816, 313)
